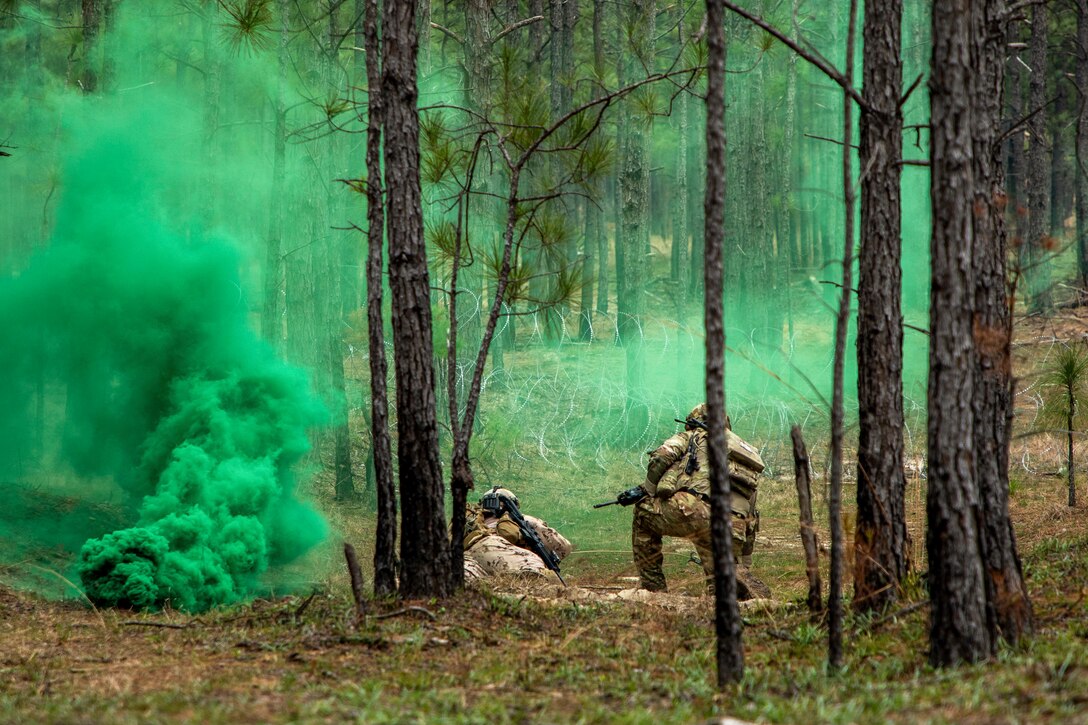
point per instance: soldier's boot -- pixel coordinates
(749, 586)
(652, 579)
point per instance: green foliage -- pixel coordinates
(250, 26)
(1064, 388)
(442, 234)
(440, 158)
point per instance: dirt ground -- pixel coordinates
(597, 651)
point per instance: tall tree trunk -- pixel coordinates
(791, 216)
(622, 123)
(589, 250)
(958, 627)
(1016, 210)
(478, 232)
(92, 21)
(385, 577)
(536, 30)
(834, 586)
(1061, 163)
(1038, 243)
(272, 310)
(727, 623)
(424, 554)
(1082, 143)
(598, 244)
(881, 557)
(697, 217)
(635, 237)
(562, 60)
(108, 80)
(424, 22)
(332, 245)
(681, 233)
(1009, 609)
(209, 184)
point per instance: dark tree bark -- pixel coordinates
(681, 238)
(385, 576)
(607, 184)
(1061, 151)
(1071, 411)
(1081, 78)
(834, 585)
(330, 288)
(681, 242)
(563, 14)
(1009, 610)
(92, 21)
(595, 248)
(958, 626)
(108, 80)
(536, 30)
(881, 555)
(355, 574)
(727, 623)
(622, 123)
(478, 96)
(425, 551)
(274, 282)
(589, 255)
(1016, 174)
(801, 467)
(634, 229)
(1038, 243)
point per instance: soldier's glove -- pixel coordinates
(631, 496)
(665, 490)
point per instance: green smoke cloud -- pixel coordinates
(138, 337)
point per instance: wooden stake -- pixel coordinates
(808, 530)
(356, 582)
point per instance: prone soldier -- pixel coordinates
(499, 540)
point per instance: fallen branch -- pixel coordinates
(302, 607)
(164, 625)
(406, 610)
(781, 634)
(898, 613)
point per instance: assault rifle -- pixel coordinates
(497, 504)
(693, 461)
(626, 498)
(695, 422)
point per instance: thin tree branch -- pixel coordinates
(515, 26)
(448, 32)
(906, 96)
(827, 69)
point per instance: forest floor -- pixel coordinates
(547, 655)
(597, 651)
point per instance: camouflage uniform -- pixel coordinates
(495, 546)
(678, 504)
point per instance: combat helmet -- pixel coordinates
(497, 499)
(698, 413)
(701, 414)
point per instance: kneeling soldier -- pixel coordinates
(678, 504)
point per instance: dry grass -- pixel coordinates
(588, 654)
(543, 655)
